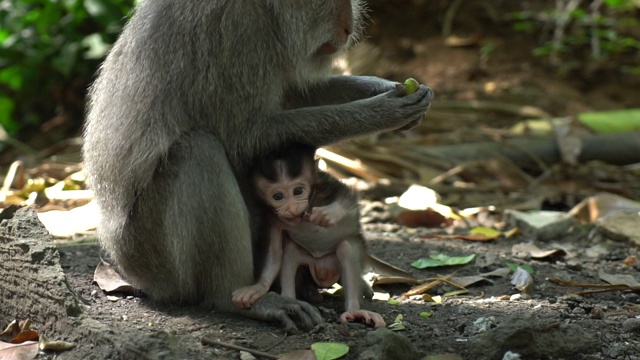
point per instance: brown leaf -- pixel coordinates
(384, 280)
(423, 218)
(601, 205)
(25, 335)
(12, 330)
(109, 280)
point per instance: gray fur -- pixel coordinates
(190, 92)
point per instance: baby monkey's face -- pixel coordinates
(288, 197)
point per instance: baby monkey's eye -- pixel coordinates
(278, 196)
(298, 191)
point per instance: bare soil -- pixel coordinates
(552, 323)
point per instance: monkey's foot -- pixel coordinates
(369, 317)
(289, 312)
(244, 297)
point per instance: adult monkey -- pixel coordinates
(189, 94)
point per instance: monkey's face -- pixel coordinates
(289, 198)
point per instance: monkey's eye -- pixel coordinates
(298, 191)
(278, 196)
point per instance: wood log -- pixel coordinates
(616, 149)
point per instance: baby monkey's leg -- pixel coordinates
(350, 253)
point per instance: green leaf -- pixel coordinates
(455, 293)
(393, 301)
(329, 350)
(524, 267)
(442, 260)
(615, 121)
(426, 314)
(486, 231)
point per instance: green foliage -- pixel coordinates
(49, 52)
(577, 35)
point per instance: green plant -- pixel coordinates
(575, 31)
(49, 51)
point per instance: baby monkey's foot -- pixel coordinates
(369, 317)
(244, 297)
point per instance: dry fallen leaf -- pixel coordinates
(54, 345)
(522, 250)
(423, 218)
(18, 332)
(109, 280)
(11, 331)
(25, 351)
(598, 287)
(598, 206)
(25, 335)
(522, 280)
(619, 279)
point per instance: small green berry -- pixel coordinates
(411, 85)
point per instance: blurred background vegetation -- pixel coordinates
(51, 49)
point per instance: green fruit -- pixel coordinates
(411, 85)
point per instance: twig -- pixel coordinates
(595, 37)
(277, 342)
(15, 170)
(449, 16)
(354, 166)
(208, 341)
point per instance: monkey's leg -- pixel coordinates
(292, 258)
(190, 227)
(350, 253)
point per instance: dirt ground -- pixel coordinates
(551, 323)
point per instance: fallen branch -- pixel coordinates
(208, 341)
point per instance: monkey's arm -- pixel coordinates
(329, 124)
(340, 89)
(246, 296)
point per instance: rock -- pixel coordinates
(541, 225)
(246, 356)
(386, 344)
(532, 339)
(631, 325)
(621, 226)
(32, 282)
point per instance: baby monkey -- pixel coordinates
(315, 222)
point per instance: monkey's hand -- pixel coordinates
(369, 317)
(289, 312)
(244, 297)
(405, 90)
(327, 216)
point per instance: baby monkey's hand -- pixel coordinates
(326, 216)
